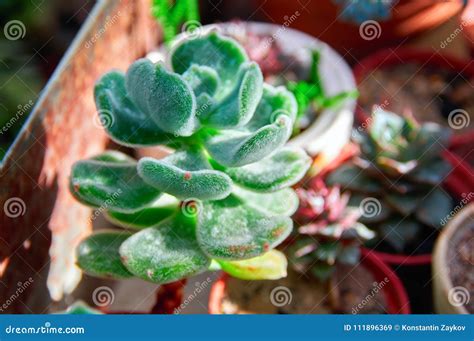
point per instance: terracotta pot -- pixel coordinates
(387, 59)
(43, 223)
(322, 19)
(394, 292)
(442, 284)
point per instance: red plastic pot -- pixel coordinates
(394, 292)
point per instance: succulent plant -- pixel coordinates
(396, 177)
(223, 195)
(329, 231)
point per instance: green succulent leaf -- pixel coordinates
(405, 204)
(163, 208)
(351, 177)
(165, 253)
(230, 229)
(239, 105)
(270, 266)
(222, 54)
(111, 183)
(432, 173)
(399, 232)
(238, 148)
(435, 207)
(185, 174)
(80, 308)
(275, 101)
(282, 169)
(98, 255)
(121, 118)
(282, 202)
(163, 96)
(202, 79)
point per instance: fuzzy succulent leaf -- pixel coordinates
(163, 96)
(163, 208)
(282, 202)
(111, 181)
(238, 106)
(98, 254)
(222, 54)
(237, 148)
(202, 79)
(165, 253)
(434, 208)
(269, 266)
(230, 229)
(282, 169)
(121, 118)
(185, 174)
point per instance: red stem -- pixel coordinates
(169, 297)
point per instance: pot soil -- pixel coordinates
(370, 287)
(452, 266)
(434, 88)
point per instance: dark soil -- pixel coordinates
(461, 262)
(430, 93)
(357, 293)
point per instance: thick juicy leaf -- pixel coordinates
(121, 118)
(239, 105)
(434, 208)
(270, 266)
(399, 232)
(222, 54)
(164, 96)
(274, 101)
(405, 204)
(282, 169)
(202, 79)
(232, 230)
(283, 202)
(98, 255)
(80, 308)
(351, 177)
(112, 185)
(163, 208)
(185, 174)
(166, 253)
(236, 148)
(432, 173)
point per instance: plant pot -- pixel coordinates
(386, 59)
(449, 297)
(41, 223)
(393, 291)
(323, 19)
